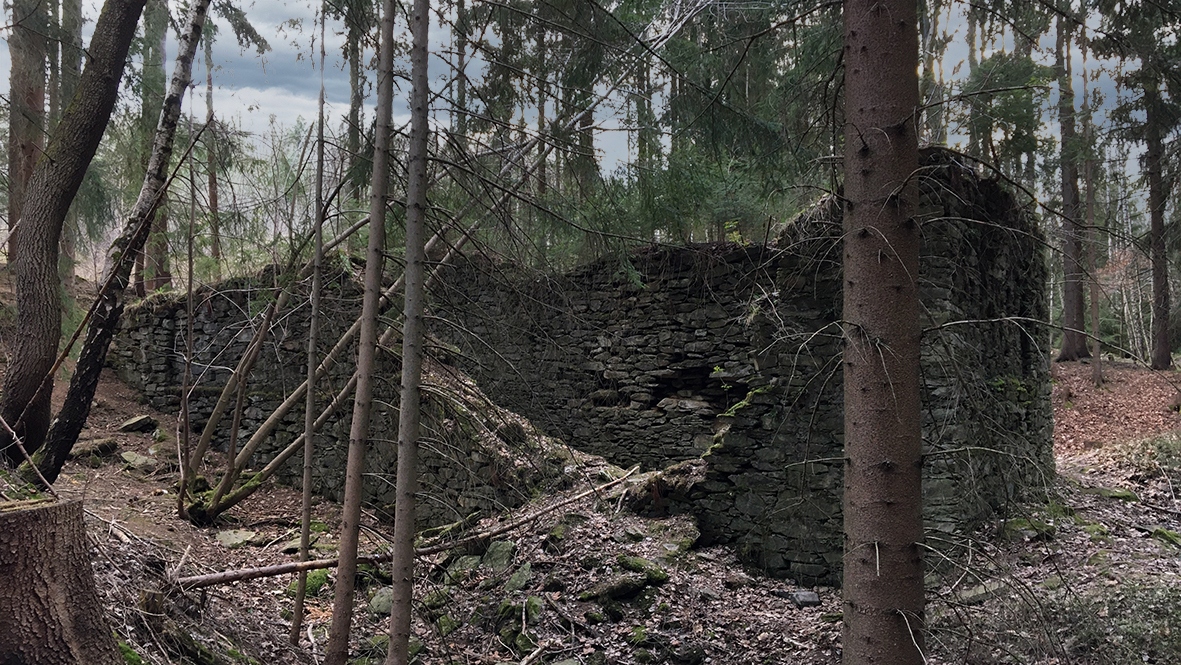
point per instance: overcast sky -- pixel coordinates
(283, 83)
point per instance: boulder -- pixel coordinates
(139, 424)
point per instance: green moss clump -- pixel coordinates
(1097, 531)
(533, 607)
(1167, 536)
(447, 625)
(1121, 494)
(655, 574)
(1056, 509)
(129, 655)
(241, 657)
(594, 618)
(316, 581)
(746, 402)
(1020, 528)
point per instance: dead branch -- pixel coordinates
(212, 579)
(513, 526)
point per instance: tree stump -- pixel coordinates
(50, 612)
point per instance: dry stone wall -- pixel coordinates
(726, 359)
(475, 457)
(719, 363)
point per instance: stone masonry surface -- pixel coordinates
(718, 362)
(730, 355)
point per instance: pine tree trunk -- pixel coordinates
(159, 275)
(211, 153)
(336, 652)
(26, 110)
(52, 614)
(155, 272)
(28, 384)
(883, 565)
(1161, 349)
(461, 44)
(412, 340)
(53, 60)
(353, 34)
(309, 410)
(1074, 338)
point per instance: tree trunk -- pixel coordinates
(1074, 337)
(356, 24)
(52, 613)
(413, 328)
(108, 307)
(26, 110)
(309, 411)
(1161, 350)
(158, 274)
(883, 565)
(211, 154)
(53, 111)
(461, 44)
(186, 427)
(336, 653)
(155, 273)
(1092, 229)
(71, 70)
(28, 384)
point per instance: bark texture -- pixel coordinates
(1074, 337)
(26, 111)
(154, 273)
(71, 72)
(27, 380)
(883, 584)
(52, 614)
(413, 329)
(1154, 155)
(336, 652)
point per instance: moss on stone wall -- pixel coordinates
(731, 354)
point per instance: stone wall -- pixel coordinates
(730, 355)
(475, 456)
(632, 358)
(721, 360)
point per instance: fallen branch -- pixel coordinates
(535, 655)
(513, 526)
(212, 579)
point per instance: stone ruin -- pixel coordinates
(718, 364)
(476, 458)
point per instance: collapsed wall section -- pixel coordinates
(727, 358)
(475, 457)
(632, 358)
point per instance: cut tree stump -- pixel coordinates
(50, 612)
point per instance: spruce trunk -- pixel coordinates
(883, 565)
(336, 652)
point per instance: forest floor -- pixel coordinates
(1093, 575)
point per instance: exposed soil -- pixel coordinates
(1090, 577)
(1132, 403)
